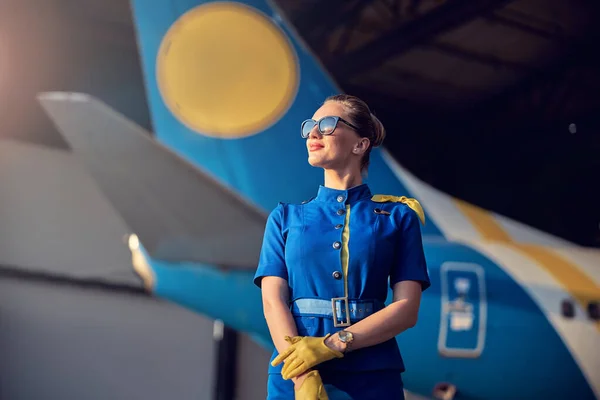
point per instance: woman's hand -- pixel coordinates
(335, 344)
(299, 380)
(303, 354)
(309, 386)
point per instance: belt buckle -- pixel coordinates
(336, 322)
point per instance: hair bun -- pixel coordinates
(366, 123)
(379, 131)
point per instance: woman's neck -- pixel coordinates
(342, 180)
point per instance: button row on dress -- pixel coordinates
(337, 245)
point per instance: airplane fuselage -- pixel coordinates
(477, 330)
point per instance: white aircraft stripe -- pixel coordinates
(588, 260)
(438, 206)
(522, 233)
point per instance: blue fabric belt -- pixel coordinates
(358, 309)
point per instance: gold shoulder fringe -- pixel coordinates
(409, 201)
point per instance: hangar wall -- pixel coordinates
(59, 340)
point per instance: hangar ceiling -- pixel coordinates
(455, 55)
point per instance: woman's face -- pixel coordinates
(335, 151)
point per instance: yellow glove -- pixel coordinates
(311, 388)
(304, 354)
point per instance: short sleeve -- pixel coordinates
(409, 262)
(272, 255)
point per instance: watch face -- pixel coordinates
(345, 336)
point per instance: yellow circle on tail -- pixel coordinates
(226, 70)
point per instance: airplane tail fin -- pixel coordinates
(228, 86)
(179, 213)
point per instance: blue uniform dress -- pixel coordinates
(340, 251)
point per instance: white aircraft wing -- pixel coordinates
(178, 212)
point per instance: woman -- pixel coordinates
(326, 264)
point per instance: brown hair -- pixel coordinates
(369, 126)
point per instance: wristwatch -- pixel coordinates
(346, 337)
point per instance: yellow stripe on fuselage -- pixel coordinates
(483, 222)
(581, 287)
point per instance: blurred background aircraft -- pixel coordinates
(510, 300)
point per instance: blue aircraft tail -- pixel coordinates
(228, 85)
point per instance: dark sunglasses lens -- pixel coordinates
(327, 125)
(307, 126)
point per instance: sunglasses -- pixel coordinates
(326, 125)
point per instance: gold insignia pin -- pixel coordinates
(381, 212)
(409, 201)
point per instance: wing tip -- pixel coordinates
(140, 263)
(63, 96)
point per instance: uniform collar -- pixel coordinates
(348, 196)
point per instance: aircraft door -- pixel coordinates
(463, 310)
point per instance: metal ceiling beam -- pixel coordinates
(487, 59)
(319, 17)
(451, 14)
(532, 30)
(348, 20)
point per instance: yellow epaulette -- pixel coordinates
(409, 201)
